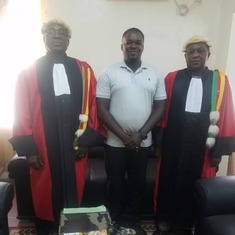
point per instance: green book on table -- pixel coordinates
(84, 220)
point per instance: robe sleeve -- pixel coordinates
(159, 129)
(225, 141)
(22, 140)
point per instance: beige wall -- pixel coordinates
(97, 27)
(230, 68)
(224, 33)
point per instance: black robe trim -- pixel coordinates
(60, 120)
(223, 146)
(90, 137)
(24, 145)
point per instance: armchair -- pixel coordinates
(215, 200)
(6, 198)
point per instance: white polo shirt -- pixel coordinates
(131, 97)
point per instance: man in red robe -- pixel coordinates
(55, 123)
(197, 130)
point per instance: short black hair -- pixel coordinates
(136, 30)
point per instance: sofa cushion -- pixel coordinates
(216, 225)
(215, 196)
(6, 198)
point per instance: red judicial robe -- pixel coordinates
(46, 124)
(185, 157)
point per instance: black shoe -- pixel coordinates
(182, 232)
(113, 228)
(132, 229)
(157, 232)
(128, 231)
(142, 231)
(163, 226)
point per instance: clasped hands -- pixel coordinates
(132, 141)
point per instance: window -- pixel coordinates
(20, 45)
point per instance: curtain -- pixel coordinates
(20, 44)
(3, 6)
(5, 133)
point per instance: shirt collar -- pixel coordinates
(142, 66)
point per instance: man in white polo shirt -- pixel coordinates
(130, 100)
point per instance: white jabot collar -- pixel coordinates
(194, 96)
(60, 80)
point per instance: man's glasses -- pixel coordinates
(56, 32)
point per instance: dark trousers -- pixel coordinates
(124, 200)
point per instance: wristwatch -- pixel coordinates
(143, 136)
